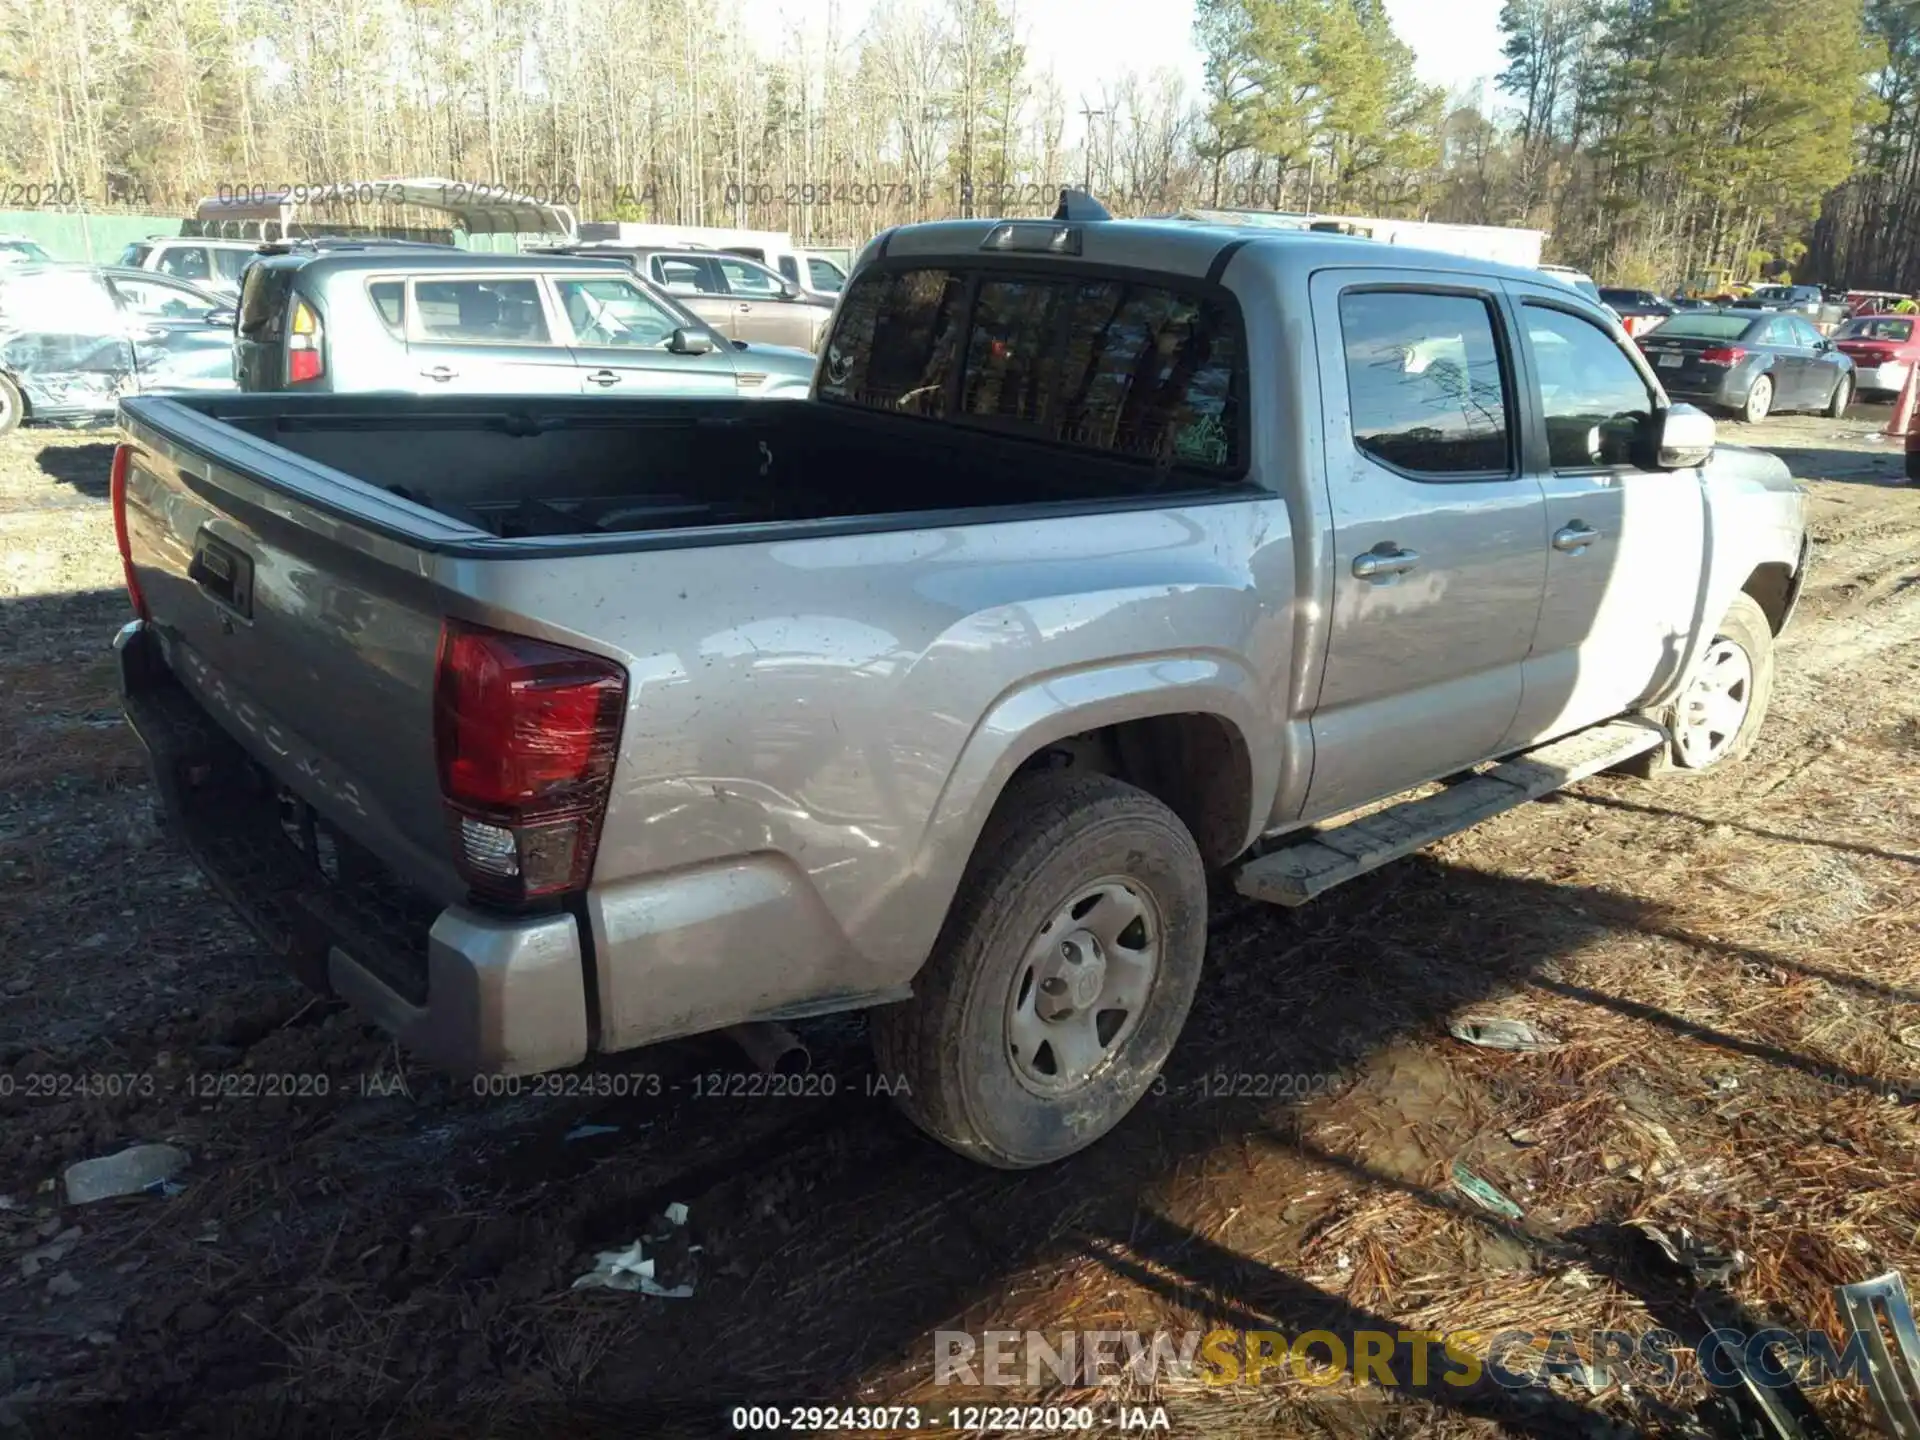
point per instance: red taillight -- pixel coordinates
(306, 344)
(1723, 355)
(117, 490)
(525, 732)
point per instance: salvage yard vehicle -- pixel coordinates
(347, 317)
(1752, 362)
(741, 298)
(1107, 554)
(74, 339)
(202, 260)
(1883, 349)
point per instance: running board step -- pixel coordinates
(1321, 859)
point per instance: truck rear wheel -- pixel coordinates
(1062, 976)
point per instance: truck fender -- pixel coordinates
(1045, 710)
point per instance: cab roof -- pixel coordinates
(1183, 247)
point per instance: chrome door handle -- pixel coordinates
(440, 372)
(604, 377)
(1574, 537)
(745, 306)
(1380, 565)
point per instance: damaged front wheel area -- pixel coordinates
(1061, 979)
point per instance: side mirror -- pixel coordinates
(690, 342)
(222, 317)
(789, 290)
(1685, 437)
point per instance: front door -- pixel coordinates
(485, 335)
(761, 307)
(620, 336)
(176, 345)
(1438, 534)
(1626, 542)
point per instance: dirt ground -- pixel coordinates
(1729, 966)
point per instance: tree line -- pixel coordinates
(1657, 141)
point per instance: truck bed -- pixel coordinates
(517, 469)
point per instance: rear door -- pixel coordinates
(619, 336)
(64, 339)
(1792, 383)
(1439, 539)
(486, 334)
(1625, 549)
(694, 280)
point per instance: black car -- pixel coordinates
(1752, 362)
(75, 338)
(1637, 304)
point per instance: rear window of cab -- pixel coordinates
(1123, 367)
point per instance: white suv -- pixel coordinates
(201, 260)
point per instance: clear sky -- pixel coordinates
(1456, 42)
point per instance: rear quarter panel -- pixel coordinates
(830, 720)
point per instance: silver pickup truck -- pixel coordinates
(1105, 555)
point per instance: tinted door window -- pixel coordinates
(1595, 403)
(612, 312)
(825, 275)
(184, 262)
(1425, 382)
(750, 280)
(1804, 333)
(480, 312)
(685, 275)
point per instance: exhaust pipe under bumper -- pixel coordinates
(774, 1049)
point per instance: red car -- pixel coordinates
(1884, 350)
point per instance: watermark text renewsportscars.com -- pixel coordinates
(1393, 1359)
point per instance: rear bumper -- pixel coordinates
(1729, 389)
(467, 990)
(1881, 379)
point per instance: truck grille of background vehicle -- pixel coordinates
(525, 733)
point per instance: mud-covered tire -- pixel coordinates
(13, 408)
(1745, 627)
(1052, 835)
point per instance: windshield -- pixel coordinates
(1877, 329)
(1710, 326)
(1773, 292)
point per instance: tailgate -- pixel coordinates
(310, 638)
